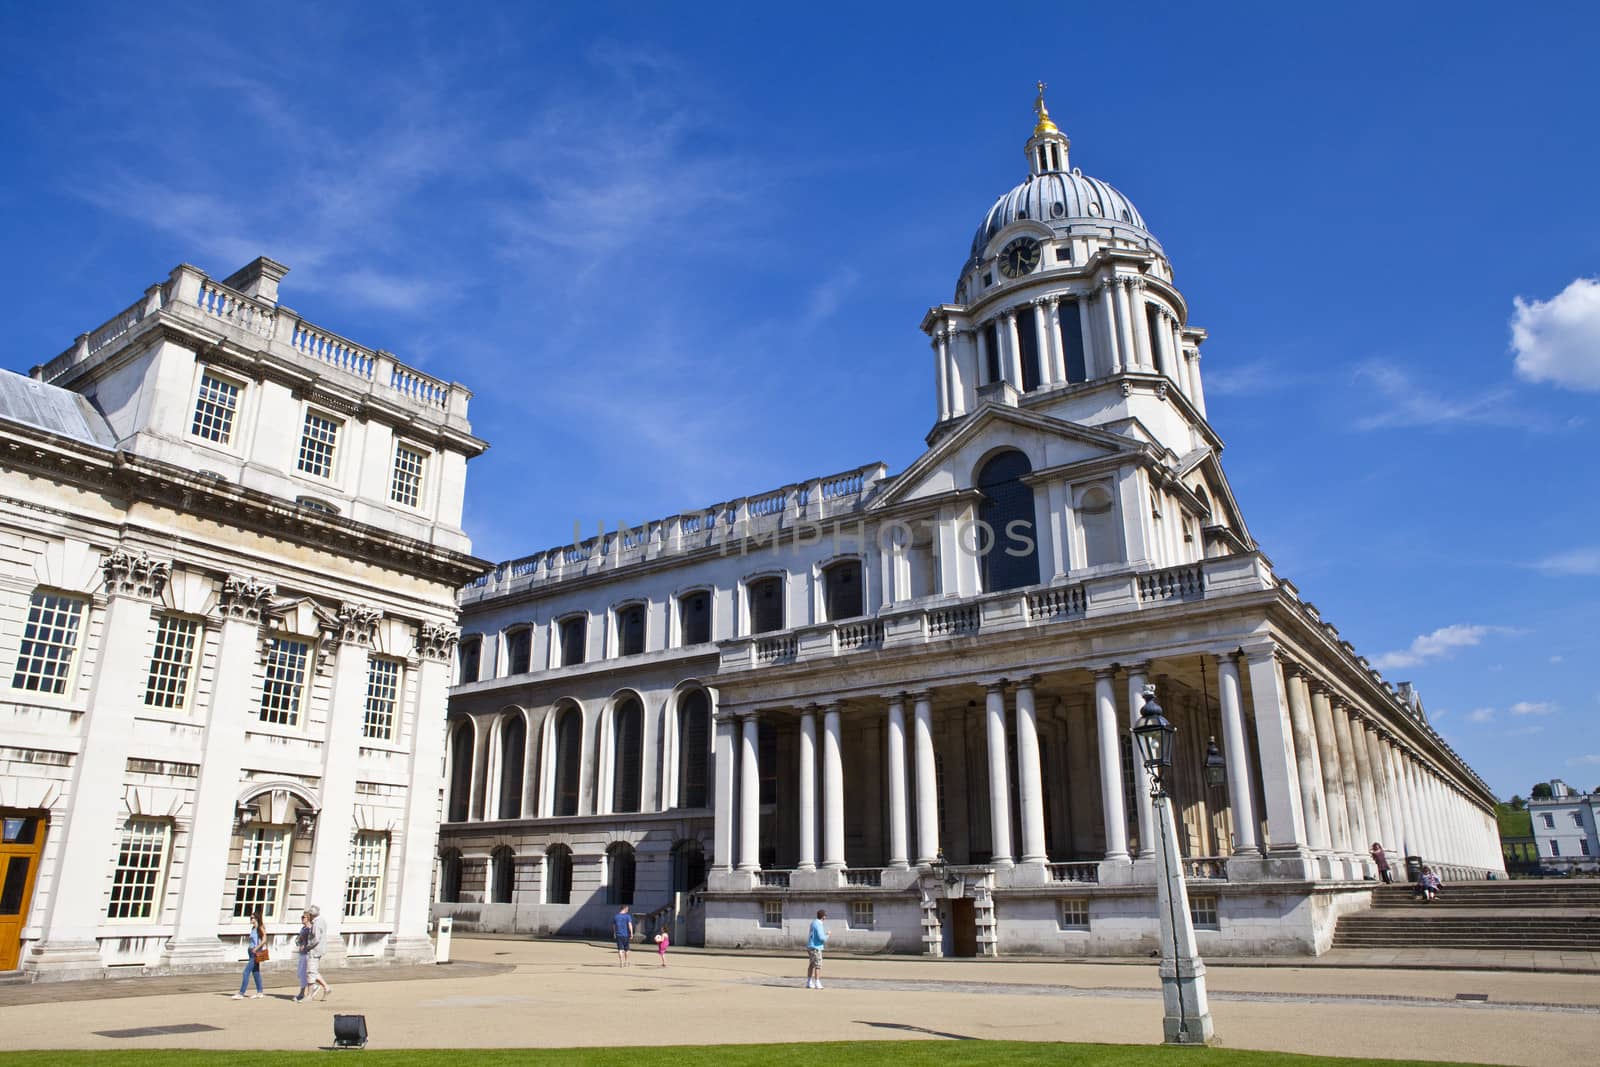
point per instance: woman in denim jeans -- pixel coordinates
(252, 966)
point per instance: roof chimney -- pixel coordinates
(258, 278)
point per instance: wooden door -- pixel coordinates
(963, 927)
(21, 845)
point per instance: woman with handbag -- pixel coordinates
(257, 955)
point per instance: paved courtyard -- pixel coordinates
(511, 993)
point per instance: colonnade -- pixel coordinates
(1312, 780)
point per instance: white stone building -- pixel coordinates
(229, 547)
(906, 697)
(1566, 828)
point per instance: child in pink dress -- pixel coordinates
(662, 941)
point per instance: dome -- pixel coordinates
(1056, 198)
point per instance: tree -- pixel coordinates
(1517, 803)
(1542, 791)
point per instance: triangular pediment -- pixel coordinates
(1201, 471)
(951, 465)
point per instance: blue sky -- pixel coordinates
(680, 253)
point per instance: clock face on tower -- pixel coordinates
(1019, 257)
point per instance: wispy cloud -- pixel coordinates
(1403, 402)
(1558, 340)
(1253, 377)
(1441, 642)
(1480, 714)
(1584, 760)
(1532, 707)
(1578, 561)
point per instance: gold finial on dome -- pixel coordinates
(1044, 124)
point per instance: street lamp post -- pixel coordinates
(1183, 974)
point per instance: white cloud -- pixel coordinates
(1592, 758)
(1555, 659)
(1579, 561)
(1403, 402)
(1440, 642)
(1532, 707)
(1480, 714)
(1558, 340)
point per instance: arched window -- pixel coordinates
(574, 632)
(694, 617)
(630, 629)
(627, 722)
(460, 771)
(1102, 537)
(558, 875)
(688, 866)
(694, 748)
(1205, 501)
(519, 650)
(1012, 559)
(449, 876)
(619, 874)
(842, 590)
(569, 751)
(469, 651)
(513, 760)
(766, 605)
(503, 862)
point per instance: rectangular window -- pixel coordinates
(468, 653)
(1072, 341)
(172, 662)
(519, 650)
(141, 863)
(1555, 848)
(574, 639)
(263, 868)
(694, 618)
(772, 913)
(214, 409)
(630, 630)
(383, 695)
(1583, 846)
(1577, 818)
(991, 352)
(319, 444)
(861, 915)
(363, 892)
(1074, 915)
(766, 605)
(1549, 820)
(1203, 911)
(49, 643)
(283, 690)
(406, 488)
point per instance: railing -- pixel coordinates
(872, 876)
(693, 523)
(845, 485)
(235, 308)
(333, 349)
(419, 387)
(1206, 868)
(1175, 583)
(1056, 603)
(959, 620)
(574, 554)
(1082, 873)
(121, 324)
(776, 649)
(525, 565)
(770, 504)
(854, 635)
(773, 879)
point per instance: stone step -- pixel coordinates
(13, 978)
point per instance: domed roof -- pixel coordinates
(1055, 198)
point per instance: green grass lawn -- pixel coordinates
(834, 1054)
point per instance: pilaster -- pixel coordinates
(435, 651)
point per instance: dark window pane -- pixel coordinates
(1012, 560)
(629, 747)
(630, 627)
(766, 605)
(450, 877)
(695, 745)
(504, 875)
(1158, 348)
(620, 870)
(468, 652)
(843, 589)
(767, 759)
(558, 875)
(1072, 341)
(513, 759)
(991, 338)
(519, 651)
(695, 618)
(574, 638)
(20, 829)
(1028, 348)
(569, 750)
(460, 772)
(15, 885)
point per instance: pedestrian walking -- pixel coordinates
(662, 941)
(256, 952)
(622, 927)
(302, 947)
(319, 945)
(815, 943)
(1381, 858)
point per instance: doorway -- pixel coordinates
(21, 845)
(963, 927)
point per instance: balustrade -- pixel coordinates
(854, 635)
(770, 504)
(235, 308)
(773, 879)
(1174, 583)
(775, 649)
(1084, 873)
(868, 876)
(1056, 603)
(944, 622)
(419, 387)
(1206, 868)
(332, 349)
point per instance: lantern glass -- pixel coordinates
(1216, 768)
(1154, 734)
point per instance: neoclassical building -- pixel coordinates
(907, 697)
(230, 543)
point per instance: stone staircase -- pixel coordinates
(1529, 915)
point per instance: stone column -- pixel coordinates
(897, 781)
(1286, 830)
(436, 645)
(1142, 341)
(1030, 784)
(1108, 318)
(1092, 355)
(216, 799)
(749, 795)
(1312, 805)
(927, 783)
(1359, 838)
(1013, 360)
(1131, 356)
(1366, 778)
(941, 358)
(1402, 819)
(1116, 819)
(832, 791)
(1141, 777)
(808, 790)
(999, 780)
(96, 809)
(722, 823)
(1427, 848)
(1245, 839)
(1388, 824)
(330, 858)
(1332, 777)
(1416, 834)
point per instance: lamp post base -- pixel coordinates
(1187, 1019)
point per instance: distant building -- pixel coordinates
(1566, 828)
(907, 696)
(230, 542)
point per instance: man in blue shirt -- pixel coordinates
(622, 926)
(814, 946)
